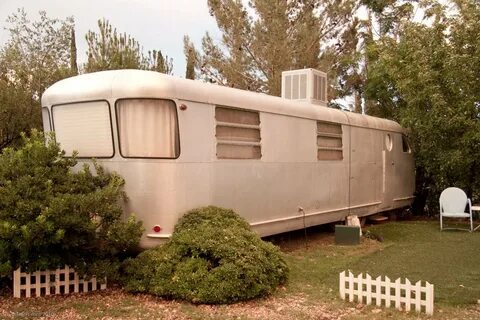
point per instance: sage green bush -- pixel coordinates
(212, 257)
(52, 215)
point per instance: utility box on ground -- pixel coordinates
(347, 235)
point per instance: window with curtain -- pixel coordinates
(148, 128)
(84, 127)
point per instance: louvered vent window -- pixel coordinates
(238, 134)
(319, 88)
(296, 86)
(329, 141)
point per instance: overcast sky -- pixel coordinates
(155, 24)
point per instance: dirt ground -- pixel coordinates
(115, 303)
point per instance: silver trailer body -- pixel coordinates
(182, 144)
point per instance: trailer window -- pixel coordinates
(389, 142)
(148, 128)
(84, 127)
(405, 145)
(238, 134)
(47, 126)
(329, 141)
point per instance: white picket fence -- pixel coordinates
(59, 281)
(403, 296)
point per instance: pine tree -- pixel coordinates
(73, 53)
(111, 50)
(156, 62)
(190, 55)
(278, 36)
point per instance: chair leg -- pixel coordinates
(441, 223)
(471, 223)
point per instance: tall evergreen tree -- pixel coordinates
(190, 55)
(155, 61)
(73, 53)
(269, 37)
(110, 50)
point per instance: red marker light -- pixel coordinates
(157, 229)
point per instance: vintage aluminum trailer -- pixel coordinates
(278, 162)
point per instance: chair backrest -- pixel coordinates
(453, 200)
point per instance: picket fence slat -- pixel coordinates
(368, 294)
(401, 295)
(63, 280)
(408, 295)
(429, 298)
(397, 294)
(342, 285)
(378, 292)
(350, 286)
(388, 292)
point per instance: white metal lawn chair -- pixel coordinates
(455, 204)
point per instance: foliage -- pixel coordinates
(191, 57)
(212, 257)
(416, 250)
(51, 216)
(36, 55)
(428, 81)
(73, 53)
(349, 58)
(110, 50)
(266, 38)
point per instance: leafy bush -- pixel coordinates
(51, 216)
(212, 257)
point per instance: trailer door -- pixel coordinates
(363, 171)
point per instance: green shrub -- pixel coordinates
(51, 216)
(212, 257)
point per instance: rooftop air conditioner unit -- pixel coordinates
(307, 85)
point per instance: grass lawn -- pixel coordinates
(416, 250)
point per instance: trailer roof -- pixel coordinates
(117, 84)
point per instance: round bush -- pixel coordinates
(213, 257)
